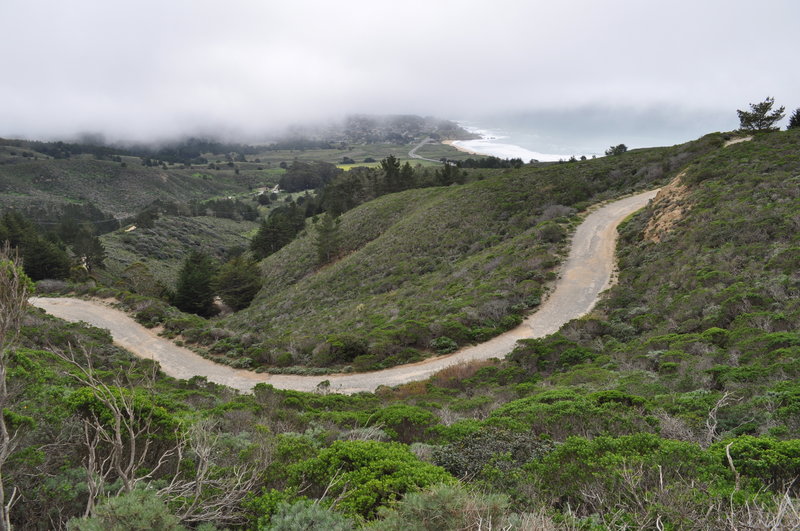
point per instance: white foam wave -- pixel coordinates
(488, 145)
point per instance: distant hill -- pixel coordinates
(119, 189)
(40, 178)
(377, 129)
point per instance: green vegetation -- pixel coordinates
(674, 405)
(193, 292)
(426, 268)
(237, 282)
(158, 252)
(616, 150)
(43, 188)
(794, 120)
(42, 258)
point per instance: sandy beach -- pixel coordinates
(454, 143)
(490, 144)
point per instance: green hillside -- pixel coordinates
(163, 248)
(43, 186)
(674, 405)
(428, 269)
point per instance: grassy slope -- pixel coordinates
(712, 309)
(716, 304)
(462, 262)
(111, 187)
(164, 247)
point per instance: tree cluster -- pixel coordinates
(278, 230)
(42, 256)
(616, 150)
(490, 163)
(200, 280)
(301, 176)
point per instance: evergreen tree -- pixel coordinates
(90, 250)
(406, 176)
(391, 174)
(794, 120)
(616, 150)
(237, 282)
(193, 292)
(44, 259)
(279, 229)
(759, 118)
(447, 175)
(327, 239)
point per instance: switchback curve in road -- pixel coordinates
(585, 274)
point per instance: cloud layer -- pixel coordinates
(146, 69)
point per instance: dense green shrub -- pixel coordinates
(501, 450)
(368, 475)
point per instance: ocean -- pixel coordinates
(506, 144)
(561, 134)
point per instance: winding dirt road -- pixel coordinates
(585, 274)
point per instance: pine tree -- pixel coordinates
(794, 120)
(327, 239)
(193, 292)
(237, 282)
(90, 250)
(616, 150)
(391, 174)
(406, 176)
(759, 118)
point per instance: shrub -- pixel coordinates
(403, 422)
(501, 449)
(368, 474)
(444, 345)
(445, 507)
(306, 515)
(140, 510)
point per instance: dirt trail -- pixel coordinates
(585, 274)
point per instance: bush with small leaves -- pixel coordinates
(140, 510)
(308, 516)
(365, 475)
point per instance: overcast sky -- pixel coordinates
(153, 69)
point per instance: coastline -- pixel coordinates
(454, 144)
(490, 144)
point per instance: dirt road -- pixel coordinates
(585, 274)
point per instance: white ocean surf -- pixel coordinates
(491, 143)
